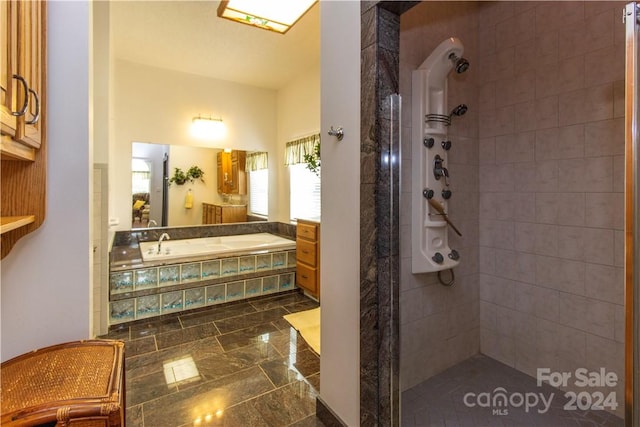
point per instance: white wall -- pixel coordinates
(46, 278)
(298, 116)
(340, 236)
(157, 105)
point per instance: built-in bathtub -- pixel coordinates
(214, 246)
(197, 272)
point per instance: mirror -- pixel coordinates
(159, 199)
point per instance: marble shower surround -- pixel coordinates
(379, 215)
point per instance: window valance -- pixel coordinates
(257, 161)
(295, 150)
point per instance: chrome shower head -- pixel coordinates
(460, 110)
(461, 64)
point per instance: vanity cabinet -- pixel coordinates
(308, 256)
(22, 118)
(223, 214)
(232, 176)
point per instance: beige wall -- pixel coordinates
(551, 180)
(157, 105)
(184, 157)
(439, 325)
(298, 106)
(257, 120)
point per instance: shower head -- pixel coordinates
(460, 110)
(460, 63)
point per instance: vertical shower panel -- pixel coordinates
(430, 176)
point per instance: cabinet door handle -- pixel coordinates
(305, 252)
(304, 276)
(36, 116)
(25, 86)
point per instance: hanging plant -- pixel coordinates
(194, 173)
(313, 160)
(179, 177)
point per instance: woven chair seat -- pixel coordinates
(73, 384)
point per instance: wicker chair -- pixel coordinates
(77, 384)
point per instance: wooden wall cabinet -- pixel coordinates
(308, 256)
(23, 103)
(223, 214)
(232, 176)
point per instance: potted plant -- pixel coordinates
(179, 177)
(313, 160)
(194, 173)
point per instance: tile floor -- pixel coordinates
(439, 401)
(234, 365)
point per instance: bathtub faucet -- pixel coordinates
(162, 237)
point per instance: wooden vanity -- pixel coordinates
(308, 256)
(223, 213)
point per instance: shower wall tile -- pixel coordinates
(440, 325)
(604, 138)
(563, 276)
(598, 245)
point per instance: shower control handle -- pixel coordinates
(428, 142)
(446, 145)
(446, 194)
(427, 193)
(439, 170)
(437, 258)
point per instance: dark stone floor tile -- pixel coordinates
(282, 324)
(314, 380)
(245, 337)
(256, 353)
(184, 407)
(168, 339)
(302, 306)
(117, 332)
(154, 327)
(249, 320)
(280, 372)
(286, 405)
(216, 313)
(148, 387)
(153, 362)
(306, 362)
(140, 346)
(278, 301)
(134, 416)
(243, 415)
(311, 421)
(289, 342)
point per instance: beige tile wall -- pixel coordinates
(439, 326)
(537, 169)
(551, 185)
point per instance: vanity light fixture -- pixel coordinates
(208, 128)
(277, 16)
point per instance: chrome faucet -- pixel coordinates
(162, 237)
(152, 221)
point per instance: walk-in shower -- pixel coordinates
(431, 118)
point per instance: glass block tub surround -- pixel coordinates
(140, 290)
(151, 291)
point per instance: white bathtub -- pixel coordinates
(223, 245)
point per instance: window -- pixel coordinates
(259, 192)
(140, 176)
(304, 192)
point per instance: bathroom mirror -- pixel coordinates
(156, 200)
